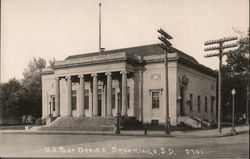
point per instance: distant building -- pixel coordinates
(132, 79)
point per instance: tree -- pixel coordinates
(33, 85)
(52, 62)
(235, 75)
(11, 98)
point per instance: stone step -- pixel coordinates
(194, 122)
(189, 121)
(81, 124)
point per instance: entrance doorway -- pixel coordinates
(182, 109)
(99, 102)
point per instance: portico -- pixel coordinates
(101, 85)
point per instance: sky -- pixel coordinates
(60, 28)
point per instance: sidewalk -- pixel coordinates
(194, 133)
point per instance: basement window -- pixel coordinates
(154, 122)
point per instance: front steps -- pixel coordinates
(81, 124)
(194, 122)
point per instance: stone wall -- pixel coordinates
(198, 84)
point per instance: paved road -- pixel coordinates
(31, 145)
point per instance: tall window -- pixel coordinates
(119, 101)
(212, 103)
(99, 96)
(205, 104)
(199, 103)
(155, 99)
(128, 96)
(99, 92)
(113, 98)
(73, 99)
(86, 98)
(191, 101)
(53, 102)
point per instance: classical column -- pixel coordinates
(124, 93)
(109, 94)
(69, 96)
(95, 95)
(81, 110)
(57, 96)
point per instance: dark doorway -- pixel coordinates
(99, 102)
(182, 111)
(119, 102)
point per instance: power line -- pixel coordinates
(220, 47)
(166, 46)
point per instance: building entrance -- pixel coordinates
(99, 102)
(182, 109)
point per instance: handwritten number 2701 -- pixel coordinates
(194, 152)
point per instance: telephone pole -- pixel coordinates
(166, 46)
(220, 47)
(248, 88)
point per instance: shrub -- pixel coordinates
(130, 123)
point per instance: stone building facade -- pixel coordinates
(129, 81)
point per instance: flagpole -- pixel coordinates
(100, 5)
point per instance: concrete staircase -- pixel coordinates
(189, 121)
(204, 123)
(194, 122)
(81, 124)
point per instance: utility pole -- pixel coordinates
(166, 46)
(220, 47)
(248, 88)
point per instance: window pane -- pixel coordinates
(86, 104)
(191, 102)
(113, 98)
(73, 99)
(53, 103)
(199, 103)
(86, 97)
(128, 96)
(86, 92)
(205, 104)
(155, 100)
(212, 103)
(99, 91)
(154, 122)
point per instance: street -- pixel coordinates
(111, 146)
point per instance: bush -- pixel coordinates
(213, 124)
(40, 121)
(182, 124)
(130, 123)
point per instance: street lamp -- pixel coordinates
(233, 131)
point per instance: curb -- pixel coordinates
(177, 135)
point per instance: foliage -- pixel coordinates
(52, 62)
(12, 98)
(129, 123)
(33, 85)
(23, 97)
(235, 75)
